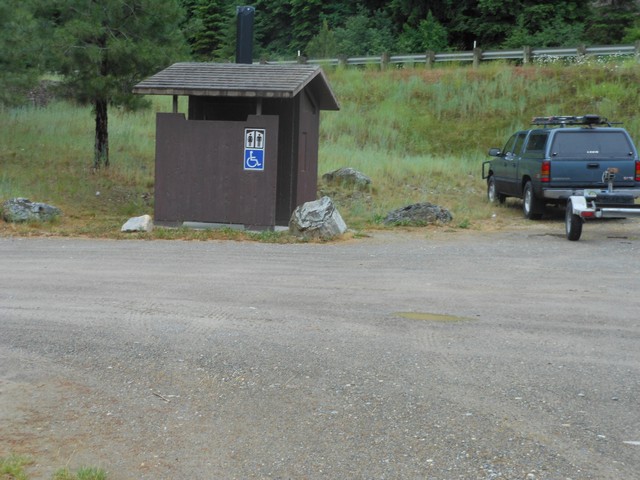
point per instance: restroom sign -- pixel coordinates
(254, 141)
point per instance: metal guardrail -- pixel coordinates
(526, 55)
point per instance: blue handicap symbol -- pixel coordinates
(254, 159)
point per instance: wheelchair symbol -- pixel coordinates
(254, 160)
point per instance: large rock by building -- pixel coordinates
(138, 224)
(347, 176)
(418, 214)
(317, 220)
(19, 210)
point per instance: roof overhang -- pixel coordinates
(240, 80)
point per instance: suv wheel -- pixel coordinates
(492, 194)
(531, 205)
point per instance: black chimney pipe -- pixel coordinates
(244, 34)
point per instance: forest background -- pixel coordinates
(285, 29)
(326, 29)
(114, 40)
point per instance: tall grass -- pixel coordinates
(46, 155)
(420, 134)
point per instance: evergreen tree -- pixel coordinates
(284, 27)
(305, 21)
(612, 21)
(19, 51)
(550, 23)
(226, 49)
(403, 12)
(555, 32)
(208, 26)
(365, 34)
(324, 44)
(273, 30)
(461, 20)
(104, 47)
(632, 33)
(429, 35)
(336, 13)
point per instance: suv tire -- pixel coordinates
(492, 194)
(532, 207)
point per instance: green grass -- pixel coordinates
(83, 473)
(15, 467)
(12, 468)
(419, 134)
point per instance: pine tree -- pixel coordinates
(19, 52)
(104, 47)
(324, 44)
(214, 18)
(306, 21)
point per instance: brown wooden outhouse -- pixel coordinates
(248, 152)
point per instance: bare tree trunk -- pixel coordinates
(102, 135)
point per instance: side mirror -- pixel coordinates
(495, 152)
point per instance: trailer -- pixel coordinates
(598, 203)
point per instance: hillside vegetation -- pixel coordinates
(421, 135)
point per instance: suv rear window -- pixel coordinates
(590, 144)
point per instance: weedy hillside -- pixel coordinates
(420, 134)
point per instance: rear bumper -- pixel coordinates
(564, 193)
(617, 212)
(585, 208)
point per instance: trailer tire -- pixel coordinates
(573, 223)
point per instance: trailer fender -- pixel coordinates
(578, 204)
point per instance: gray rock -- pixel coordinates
(347, 176)
(419, 214)
(19, 210)
(138, 224)
(317, 220)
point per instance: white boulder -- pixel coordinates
(317, 220)
(138, 224)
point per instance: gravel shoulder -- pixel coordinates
(407, 354)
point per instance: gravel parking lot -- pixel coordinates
(405, 355)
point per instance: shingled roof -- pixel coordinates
(240, 80)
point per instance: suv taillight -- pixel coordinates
(637, 170)
(545, 171)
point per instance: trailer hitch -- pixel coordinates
(608, 176)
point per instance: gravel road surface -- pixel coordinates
(405, 355)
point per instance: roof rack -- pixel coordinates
(588, 120)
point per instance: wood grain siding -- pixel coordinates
(200, 174)
(308, 145)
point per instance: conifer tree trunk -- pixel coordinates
(101, 151)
